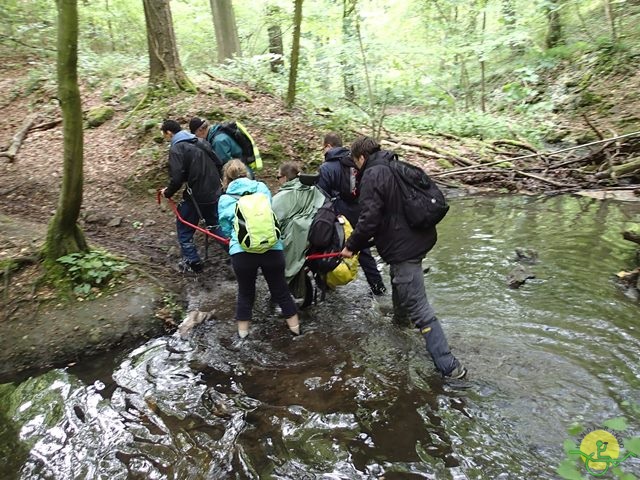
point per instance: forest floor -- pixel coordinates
(123, 167)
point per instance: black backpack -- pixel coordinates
(423, 203)
(238, 136)
(326, 234)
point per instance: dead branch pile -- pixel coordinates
(519, 167)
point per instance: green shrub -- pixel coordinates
(473, 124)
(92, 269)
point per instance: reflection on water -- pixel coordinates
(355, 396)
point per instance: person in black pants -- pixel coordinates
(245, 264)
(340, 179)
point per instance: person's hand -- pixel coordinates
(162, 192)
(346, 253)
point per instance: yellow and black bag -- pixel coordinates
(347, 269)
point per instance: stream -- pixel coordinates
(355, 396)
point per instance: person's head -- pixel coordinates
(169, 128)
(331, 140)
(362, 148)
(233, 170)
(288, 171)
(199, 127)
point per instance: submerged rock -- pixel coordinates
(193, 319)
(518, 276)
(526, 255)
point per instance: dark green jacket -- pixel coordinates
(295, 205)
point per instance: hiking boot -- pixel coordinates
(378, 289)
(185, 266)
(196, 267)
(457, 373)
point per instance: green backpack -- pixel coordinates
(255, 224)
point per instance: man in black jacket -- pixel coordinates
(403, 248)
(193, 162)
(339, 179)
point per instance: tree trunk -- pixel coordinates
(295, 54)
(276, 47)
(483, 83)
(64, 235)
(112, 41)
(224, 23)
(611, 18)
(554, 28)
(348, 34)
(509, 14)
(510, 17)
(165, 69)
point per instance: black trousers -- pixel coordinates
(245, 265)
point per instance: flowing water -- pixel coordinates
(355, 396)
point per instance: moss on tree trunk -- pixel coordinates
(64, 236)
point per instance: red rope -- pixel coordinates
(318, 256)
(174, 207)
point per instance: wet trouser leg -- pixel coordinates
(272, 265)
(245, 266)
(369, 267)
(410, 299)
(185, 233)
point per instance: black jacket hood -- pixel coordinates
(339, 154)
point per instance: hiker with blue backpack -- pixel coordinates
(400, 207)
(246, 218)
(191, 162)
(339, 178)
(229, 140)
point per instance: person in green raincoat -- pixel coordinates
(295, 204)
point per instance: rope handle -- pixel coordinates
(319, 256)
(174, 207)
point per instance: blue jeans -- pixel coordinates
(410, 299)
(189, 213)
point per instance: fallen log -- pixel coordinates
(47, 125)
(631, 236)
(415, 150)
(631, 166)
(514, 143)
(533, 155)
(421, 145)
(18, 138)
(433, 148)
(542, 179)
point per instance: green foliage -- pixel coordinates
(569, 471)
(171, 308)
(96, 69)
(633, 445)
(466, 124)
(89, 270)
(422, 55)
(254, 71)
(618, 423)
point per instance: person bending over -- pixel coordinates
(245, 264)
